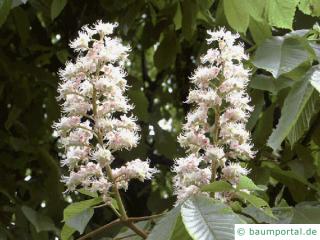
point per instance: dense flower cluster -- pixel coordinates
(96, 121)
(215, 146)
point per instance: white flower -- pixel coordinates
(140, 169)
(114, 50)
(75, 155)
(104, 28)
(135, 169)
(81, 42)
(233, 172)
(187, 164)
(183, 193)
(67, 123)
(94, 122)
(212, 56)
(203, 75)
(215, 154)
(102, 155)
(75, 105)
(122, 138)
(209, 97)
(220, 91)
(233, 115)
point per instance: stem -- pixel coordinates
(117, 194)
(215, 140)
(87, 129)
(137, 230)
(100, 229)
(123, 215)
(108, 168)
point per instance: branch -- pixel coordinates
(100, 229)
(137, 230)
(137, 219)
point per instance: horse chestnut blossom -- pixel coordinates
(215, 146)
(96, 121)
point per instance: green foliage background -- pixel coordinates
(167, 38)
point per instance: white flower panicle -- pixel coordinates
(95, 120)
(215, 146)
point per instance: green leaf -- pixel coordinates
(254, 200)
(304, 165)
(141, 104)
(77, 215)
(189, 17)
(310, 7)
(263, 128)
(280, 55)
(283, 214)
(165, 54)
(315, 79)
(247, 183)
(257, 100)
(256, 8)
(170, 227)
(217, 186)
(66, 232)
(303, 123)
(260, 31)
(207, 219)
(5, 6)
(281, 12)
(80, 220)
(259, 215)
(39, 221)
(295, 114)
(306, 213)
(180, 231)
(237, 14)
(270, 84)
(88, 193)
(12, 117)
(285, 176)
(22, 24)
(204, 12)
(178, 18)
(78, 207)
(56, 8)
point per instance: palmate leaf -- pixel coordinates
(260, 30)
(297, 111)
(310, 7)
(77, 215)
(237, 14)
(66, 232)
(170, 227)
(56, 8)
(39, 221)
(303, 122)
(217, 186)
(306, 213)
(281, 12)
(247, 183)
(280, 55)
(207, 219)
